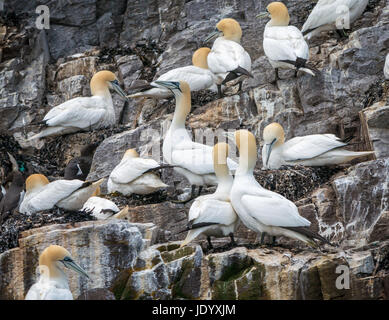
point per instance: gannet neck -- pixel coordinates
(225, 180)
(183, 106)
(199, 58)
(247, 146)
(279, 14)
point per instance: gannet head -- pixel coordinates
(273, 136)
(229, 29)
(220, 154)
(245, 141)
(131, 153)
(199, 58)
(52, 257)
(278, 13)
(104, 80)
(181, 91)
(36, 181)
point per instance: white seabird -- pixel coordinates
(198, 76)
(332, 14)
(67, 194)
(284, 45)
(228, 60)
(212, 214)
(191, 159)
(386, 67)
(134, 175)
(84, 113)
(100, 208)
(53, 283)
(312, 150)
(261, 210)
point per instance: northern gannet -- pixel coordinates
(13, 196)
(100, 208)
(198, 76)
(312, 150)
(67, 194)
(79, 167)
(84, 113)
(228, 60)
(133, 175)
(53, 283)
(386, 67)
(284, 45)
(191, 159)
(261, 210)
(332, 14)
(212, 214)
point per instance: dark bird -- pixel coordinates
(79, 167)
(13, 197)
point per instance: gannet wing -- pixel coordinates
(130, 169)
(81, 112)
(52, 193)
(212, 211)
(227, 56)
(273, 211)
(197, 78)
(325, 12)
(308, 147)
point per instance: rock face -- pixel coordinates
(139, 257)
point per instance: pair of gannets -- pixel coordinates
(79, 167)
(284, 45)
(311, 150)
(261, 210)
(67, 194)
(84, 113)
(198, 76)
(191, 159)
(53, 283)
(228, 60)
(333, 14)
(134, 175)
(212, 214)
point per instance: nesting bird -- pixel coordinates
(261, 210)
(13, 197)
(332, 14)
(284, 45)
(198, 76)
(84, 113)
(311, 150)
(67, 194)
(79, 167)
(53, 283)
(135, 175)
(192, 160)
(228, 60)
(212, 214)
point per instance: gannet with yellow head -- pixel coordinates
(192, 160)
(261, 210)
(84, 113)
(53, 283)
(133, 175)
(67, 194)
(198, 76)
(332, 14)
(284, 45)
(311, 150)
(212, 215)
(228, 60)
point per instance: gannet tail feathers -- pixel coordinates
(198, 226)
(301, 64)
(312, 236)
(49, 132)
(236, 73)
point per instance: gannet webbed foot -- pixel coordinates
(233, 243)
(210, 246)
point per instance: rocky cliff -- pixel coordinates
(138, 256)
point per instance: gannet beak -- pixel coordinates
(268, 150)
(118, 89)
(262, 15)
(171, 85)
(213, 35)
(69, 263)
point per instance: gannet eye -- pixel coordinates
(67, 259)
(115, 82)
